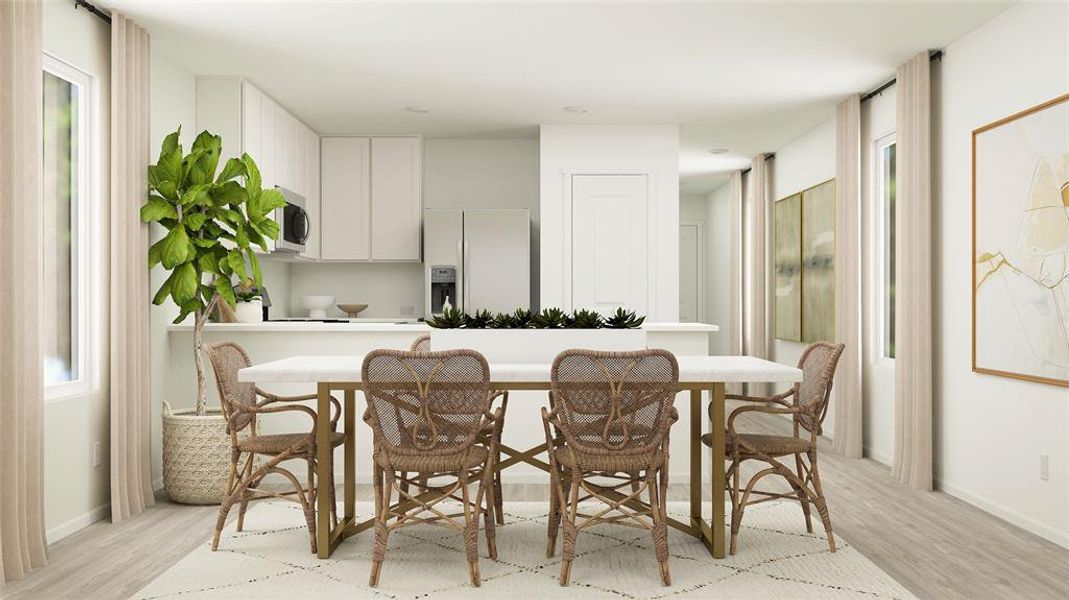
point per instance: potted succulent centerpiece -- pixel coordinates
(211, 223)
(250, 306)
(523, 336)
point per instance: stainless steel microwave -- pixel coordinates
(292, 222)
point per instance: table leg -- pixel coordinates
(350, 454)
(324, 466)
(718, 483)
(696, 459)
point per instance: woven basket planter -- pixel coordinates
(196, 455)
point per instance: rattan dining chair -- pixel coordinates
(807, 403)
(423, 344)
(426, 410)
(614, 412)
(241, 410)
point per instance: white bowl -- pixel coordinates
(317, 306)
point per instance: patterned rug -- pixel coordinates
(776, 559)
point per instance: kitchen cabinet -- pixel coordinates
(250, 122)
(345, 200)
(371, 205)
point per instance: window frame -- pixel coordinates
(880, 249)
(81, 242)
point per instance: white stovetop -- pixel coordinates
(728, 369)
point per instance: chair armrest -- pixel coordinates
(778, 398)
(770, 410)
(549, 420)
(270, 398)
(266, 410)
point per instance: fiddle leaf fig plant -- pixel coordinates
(212, 223)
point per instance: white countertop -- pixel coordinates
(372, 326)
(692, 369)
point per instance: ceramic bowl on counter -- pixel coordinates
(353, 310)
(317, 306)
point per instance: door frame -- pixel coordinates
(651, 231)
(700, 232)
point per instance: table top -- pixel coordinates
(692, 369)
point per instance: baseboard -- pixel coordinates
(880, 457)
(77, 524)
(1006, 514)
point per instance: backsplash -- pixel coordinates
(389, 289)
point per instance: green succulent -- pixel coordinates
(451, 318)
(550, 318)
(503, 321)
(623, 319)
(480, 320)
(585, 319)
(521, 318)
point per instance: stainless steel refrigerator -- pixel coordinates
(479, 259)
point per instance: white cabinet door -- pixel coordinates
(497, 260)
(285, 156)
(609, 242)
(311, 194)
(396, 198)
(250, 120)
(345, 209)
(303, 147)
(266, 160)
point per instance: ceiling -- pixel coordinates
(748, 77)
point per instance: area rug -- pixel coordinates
(776, 559)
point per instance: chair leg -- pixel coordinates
(803, 498)
(489, 494)
(660, 526)
(570, 531)
(499, 501)
(245, 496)
(382, 533)
(471, 530)
(821, 502)
(220, 522)
(736, 503)
(555, 503)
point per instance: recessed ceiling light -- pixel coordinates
(579, 110)
(418, 109)
(718, 150)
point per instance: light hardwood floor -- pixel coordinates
(935, 545)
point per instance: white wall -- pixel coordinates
(172, 104)
(718, 267)
(457, 173)
(991, 430)
(800, 165)
(878, 380)
(613, 149)
(76, 493)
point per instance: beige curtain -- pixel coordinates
(737, 225)
(131, 459)
(848, 389)
(758, 340)
(913, 282)
(22, 528)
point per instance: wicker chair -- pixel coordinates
(427, 410)
(423, 344)
(613, 411)
(241, 409)
(808, 408)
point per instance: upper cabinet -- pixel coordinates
(372, 202)
(285, 149)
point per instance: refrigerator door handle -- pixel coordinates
(465, 277)
(461, 287)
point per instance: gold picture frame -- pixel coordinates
(814, 235)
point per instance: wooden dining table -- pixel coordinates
(697, 374)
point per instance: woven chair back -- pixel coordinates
(610, 402)
(421, 344)
(227, 359)
(426, 403)
(818, 364)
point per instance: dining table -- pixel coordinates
(697, 375)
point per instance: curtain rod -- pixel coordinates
(932, 56)
(93, 10)
(768, 156)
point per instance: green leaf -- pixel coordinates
(233, 168)
(169, 167)
(229, 192)
(253, 181)
(210, 148)
(175, 249)
(169, 190)
(237, 264)
(269, 229)
(157, 208)
(196, 220)
(184, 283)
(162, 293)
(270, 200)
(254, 264)
(208, 263)
(170, 143)
(194, 193)
(155, 252)
(241, 237)
(225, 290)
(205, 242)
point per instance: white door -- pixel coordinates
(497, 260)
(609, 242)
(396, 197)
(689, 273)
(344, 202)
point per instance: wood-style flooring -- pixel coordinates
(935, 545)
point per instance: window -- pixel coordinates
(64, 239)
(885, 246)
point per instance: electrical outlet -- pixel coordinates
(407, 310)
(1044, 467)
(96, 454)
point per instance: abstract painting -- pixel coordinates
(787, 246)
(818, 263)
(1021, 245)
